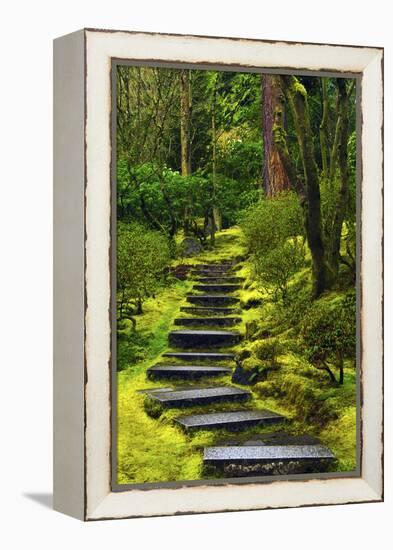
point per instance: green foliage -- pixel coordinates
(268, 349)
(240, 160)
(142, 257)
(270, 222)
(276, 268)
(329, 333)
(298, 301)
(160, 197)
(273, 229)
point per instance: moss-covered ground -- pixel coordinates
(152, 448)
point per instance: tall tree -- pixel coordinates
(343, 194)
(296, 95)
(185, 118)
(275, 176)
(323, 128)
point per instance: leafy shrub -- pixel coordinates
(273, 231)
(275, 268)
(267, 350)
(142, 257)
(271, 222)
(329, 334)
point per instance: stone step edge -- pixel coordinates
(266, 453)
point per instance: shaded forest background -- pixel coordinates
(199, 151)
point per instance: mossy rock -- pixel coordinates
(153, 408)
(243, 354)
(251, 302)
(251, 370)
(243, 376)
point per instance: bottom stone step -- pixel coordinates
(186, 371)
(254, 460)
(199, 396)
(233, 420)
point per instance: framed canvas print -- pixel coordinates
(218, 274)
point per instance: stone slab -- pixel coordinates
(210, 310)
(280, 438)
(214, 266)
(207, 321)
(199, 396)
(199, 355)
(220, 279)
(203, 338)
(217, 288)
(266, 453)
(212, 300)
(186, 371)
(232, 420)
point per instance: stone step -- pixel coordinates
(186, 371)
(250, 460)
(220, 280)
(199, 272)
(220, 266)
(199, 396)
(233, 420)
(282, 438)
(203, 338)
(210, 310)
(207, 321)
(266, 454)
(212, 300)
(199, 356)
(225, 289)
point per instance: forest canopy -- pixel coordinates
(195, 148)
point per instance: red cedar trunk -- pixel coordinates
(275, 178)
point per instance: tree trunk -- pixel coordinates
(214, 213)
(331, 374)
(275, 176)
(185, 115)
(341, 368)
(323, 128)
(342, 200)
(297, 99)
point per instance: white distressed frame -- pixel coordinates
(100, 47)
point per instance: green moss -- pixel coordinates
(297, 87)
(136, 348)
(252, 363)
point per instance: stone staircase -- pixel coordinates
(212, 313)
